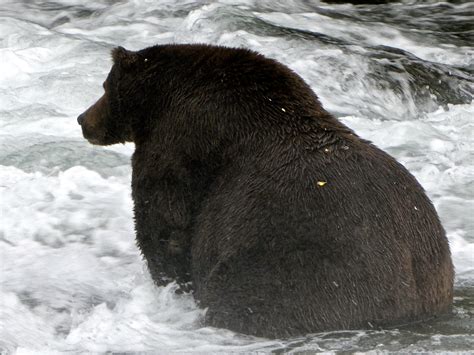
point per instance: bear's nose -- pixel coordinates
(81, 118)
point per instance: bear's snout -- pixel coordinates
(81, 118)
(93, 122)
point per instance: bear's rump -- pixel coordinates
(276, 260)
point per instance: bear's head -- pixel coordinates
(108, 121)
(201, 98)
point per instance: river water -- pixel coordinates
(71, 277)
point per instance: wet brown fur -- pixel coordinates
(283, 219)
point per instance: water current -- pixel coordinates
(71, 278)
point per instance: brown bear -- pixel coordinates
(278, 217)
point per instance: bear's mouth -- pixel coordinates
(91, 138)
(94, 141)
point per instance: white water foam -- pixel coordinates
(71, 276)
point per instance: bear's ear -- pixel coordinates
(124, 58)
